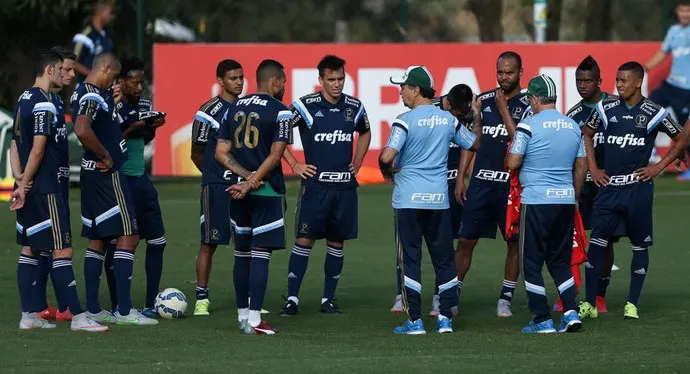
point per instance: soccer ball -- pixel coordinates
(171, 303)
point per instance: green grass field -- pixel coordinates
(360, 340)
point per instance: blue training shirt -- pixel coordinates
(677, 42)
(421, 138)
(550, 142)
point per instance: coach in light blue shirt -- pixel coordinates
(548, 149)
(418, 144)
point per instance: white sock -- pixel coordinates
(294, 299)
(441, 317)
(254, 317)
(242, 314)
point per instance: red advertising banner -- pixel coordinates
(184, 78)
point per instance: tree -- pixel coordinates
(489, 16)
(598, 20)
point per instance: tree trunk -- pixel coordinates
(553, 20)
(598, 20)
(488, 14)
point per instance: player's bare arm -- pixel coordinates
(85, 134)
(656, 60)
(386, 163)
(224, 157)
(15, 163)
(579, 175)
(197, 154)
(477, 124)
(133, 129)
(303, 170)
(502, 104)
(679, 146)
(514, 161)
(32, 166)
(466, 156)
(363, 142)
(588, 130)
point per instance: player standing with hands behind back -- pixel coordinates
(327, 207)
(419, 142)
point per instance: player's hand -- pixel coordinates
(27, 186)
(648, 172)
(105, 164)
(460, 192)
(18, 198)
(117, 93)
(390, 177)
(159, 122)
(354, 168)
(238, 191)
(599, 177)
(501, 101)
(477, 106)
(304, 170)
(680, 161)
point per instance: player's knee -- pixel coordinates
(466, 245)
(207, 249)
(97, 246)
(62, 253)
(26, 250)
(128, 242)
(335, 244)
(305, 242)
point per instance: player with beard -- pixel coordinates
(486, 200)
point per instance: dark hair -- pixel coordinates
(511, 54)
(547, 100)
(427, 92)
(129, 65)
(633, 66)
(589, 64)
(460, 97)
(100, 4)
(225, 66)
(45, 58)
(65, 53)
(330, 62)
(268, 69)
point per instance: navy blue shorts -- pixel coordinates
(546, 236)
(669, 95)
(146, 206)
(455, 212)
(629, 208)
(586, 203)
(215, 214)
(258, 222)
(326, 213)
(484, 212)
(107, 208)
(43, 223)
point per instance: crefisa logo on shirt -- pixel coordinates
(432, 121)
(558, 124)
(428, 198)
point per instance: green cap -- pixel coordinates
(542, 86)
(418, 76)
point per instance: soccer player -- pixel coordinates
(107, 210)
(40, 140)
(215, 202)
(458, 102)
(94, 39)
(251, 141)
(418, 144)
(675, 90)
(588, 80)
(486, 200)
(545, 148)
(327, 208)
(139, 123)
(630, 124)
